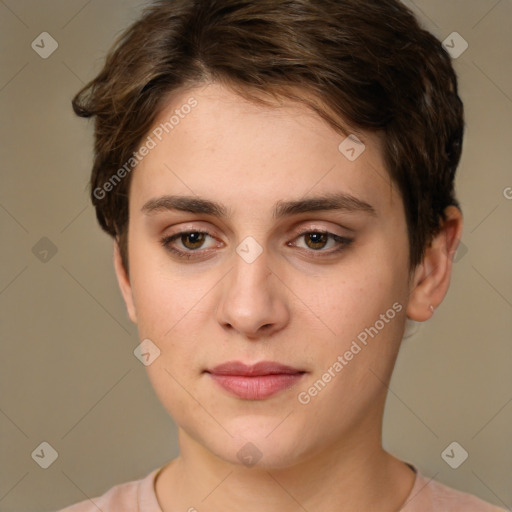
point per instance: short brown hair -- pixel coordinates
(369, 63)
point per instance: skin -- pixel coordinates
(286, 306)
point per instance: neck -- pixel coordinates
(355, 475)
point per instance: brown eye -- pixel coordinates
(196, 239)
(318, 240)
(189, 243)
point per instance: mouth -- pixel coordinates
(255, 382)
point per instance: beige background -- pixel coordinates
(68, 375)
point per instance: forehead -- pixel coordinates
(227, 148)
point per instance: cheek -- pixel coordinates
(353, 296)
(362, 313)
(162, 296)
(172, 308)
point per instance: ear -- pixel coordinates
(432, 277)
(124, 283)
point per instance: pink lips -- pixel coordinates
(255, 382)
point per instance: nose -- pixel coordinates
(253, 299)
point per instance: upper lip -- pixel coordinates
(258, 369)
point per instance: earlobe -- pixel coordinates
(432, 276)
(124, 284)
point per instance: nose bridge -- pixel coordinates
(251, 274)
(251, 298)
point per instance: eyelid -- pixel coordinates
(320, 229)
(296, 231)
(175, 236)
(341, 243)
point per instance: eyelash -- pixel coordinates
(188, 254)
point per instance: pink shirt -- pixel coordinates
(425, 496)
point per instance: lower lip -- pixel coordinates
(256, 388)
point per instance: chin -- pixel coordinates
(256, 449)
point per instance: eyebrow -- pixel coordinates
(197, 205)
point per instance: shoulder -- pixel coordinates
(122, 496)
(428, 495)
(133, 496)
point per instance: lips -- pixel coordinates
(255, 382)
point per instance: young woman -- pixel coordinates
(278, 178)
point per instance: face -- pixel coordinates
(269, 275)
